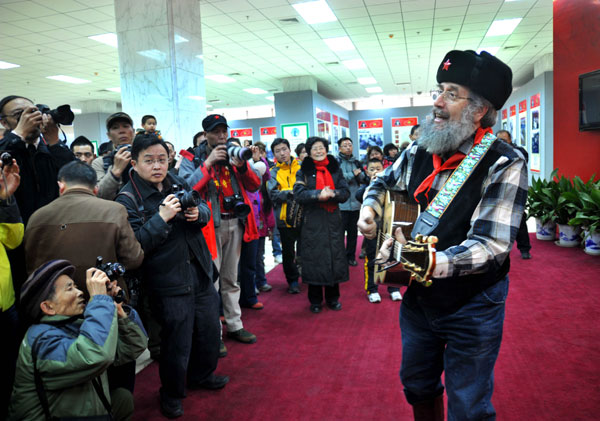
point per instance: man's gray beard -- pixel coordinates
(445, 141)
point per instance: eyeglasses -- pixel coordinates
(161, 161)
(449, 96)
(16, 114)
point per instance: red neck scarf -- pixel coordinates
(450, 164)
(324, 179)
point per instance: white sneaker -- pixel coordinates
(396, 296)
(278, 259)
(374, 297)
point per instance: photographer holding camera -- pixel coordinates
(112, 170)
(177, 272)
(64, 356)
(32, 139)
(221, 173)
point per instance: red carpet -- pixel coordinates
(344, 365)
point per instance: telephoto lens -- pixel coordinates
(239, 152)
(61, 115)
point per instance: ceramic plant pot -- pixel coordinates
(592, 243)
(568, 236)
(546, 232)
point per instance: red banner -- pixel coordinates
(336, 120)
(324, 115)
(240, 132)
(513, 110)
(370, 124)
(504, 114)
(535, 100)
(344, 122)
(522, 106)
(268, 130)
(404, 121)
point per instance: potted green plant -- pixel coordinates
(567, 205)
(542, 199)
(588, 214)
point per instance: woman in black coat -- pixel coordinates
(320, 187)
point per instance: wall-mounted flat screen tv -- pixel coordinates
(589, 101)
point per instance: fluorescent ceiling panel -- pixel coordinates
(117, 89)
(503, 27)
(354, 64)
(220, 78)
(255, 91)
(76, 110)
(270, 98)
(315, 12)
(374, 90)
(108, 39)
(491, 50)
(7, 65)
(339, 44)
(68, 79)
(367, 80)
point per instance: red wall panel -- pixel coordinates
(576, 51)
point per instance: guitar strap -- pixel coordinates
(430, 218)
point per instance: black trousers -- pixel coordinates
(315, 293)
(523, 243)
(190, 336)
(350, 221)
(289, 238)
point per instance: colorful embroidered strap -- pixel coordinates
(442, 200)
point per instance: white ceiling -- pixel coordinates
(401, 41)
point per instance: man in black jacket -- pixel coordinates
(178, 272)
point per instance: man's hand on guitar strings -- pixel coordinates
(399, 236)
(386, 250)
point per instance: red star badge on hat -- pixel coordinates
(216, 117)
(446, 64)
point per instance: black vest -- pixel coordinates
(449, 294)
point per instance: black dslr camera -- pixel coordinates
(236, 205)
(113, 271)
(239, 152)
(188, 199)
(60, 115)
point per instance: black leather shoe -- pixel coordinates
(352, 262)
(335, 305)
(525, 255)
(170, 407)
(214, 382)
(315, 308)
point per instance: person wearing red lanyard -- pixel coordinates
(455, 324)
(224, 181)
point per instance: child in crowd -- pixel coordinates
(374, 166)
(149, 125)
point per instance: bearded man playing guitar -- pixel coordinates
(471, 190)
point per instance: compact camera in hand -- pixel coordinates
(113, 271)
(188, 199)
(236, 205)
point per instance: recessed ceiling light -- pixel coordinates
(196, 97)
(270, 98)
(374, 90)
(220, 78)
(154, 54)
(255, 91)
(315, 12)
(502, 27)
(179, 39)
(339, 44)
(354, 64)
(108, 39)
(367, 80)
(491, 50)
(117, 89)
(68, 79)
(7, 65)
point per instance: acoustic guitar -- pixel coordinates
(414, 260)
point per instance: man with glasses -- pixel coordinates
(83, 149)
(455, 325)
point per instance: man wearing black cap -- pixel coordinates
(61, 370)
(223, 179)
(455, 325)
(112, 170)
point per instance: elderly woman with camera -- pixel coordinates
(320, 187)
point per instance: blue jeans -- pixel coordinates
(260, 277)
(276, 243)
(464, 344)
